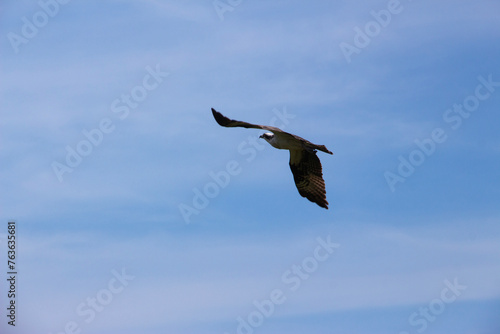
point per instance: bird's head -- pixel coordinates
(267, 136)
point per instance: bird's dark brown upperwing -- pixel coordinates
(231, 123)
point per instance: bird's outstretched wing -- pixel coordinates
(308, 176)
(231, 123)
(304, 163)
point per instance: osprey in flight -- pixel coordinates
(304, 163)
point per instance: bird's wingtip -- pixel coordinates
(220, 119)
(324, 149)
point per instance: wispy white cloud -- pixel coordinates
(182, 278)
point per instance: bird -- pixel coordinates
(304, 163)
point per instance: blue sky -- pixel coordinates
(410, 244)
